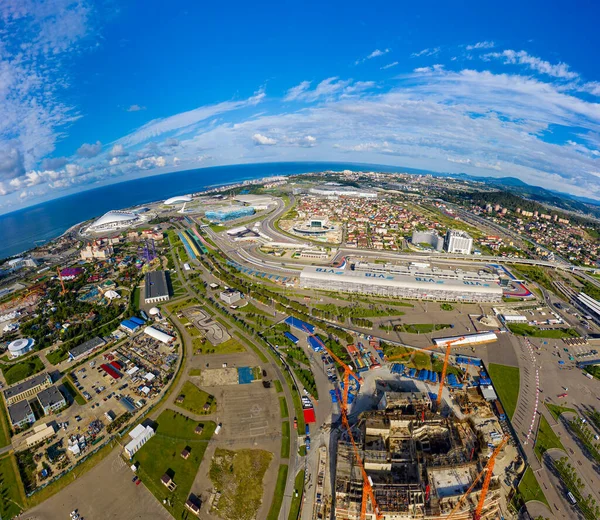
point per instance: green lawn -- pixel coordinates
(136, 298)
(73, 391)
(4, 428)
(11, 500)
(285, 439)
(424, 328)
(546, 439)
(297, 497)
(283, 409)
(522, 329)
(57, 356)
(238, 476)
(278, 386)
(529, 488)
(195, 399)
(556, 410)
(231, 346)
(506, 383)
(19, 371)
(446, 306)
(162, 454)
(279, 491)
(195, 372)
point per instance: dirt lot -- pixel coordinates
(117, 498)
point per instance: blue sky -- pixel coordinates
(98, 92)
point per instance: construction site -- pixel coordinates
(419, 464)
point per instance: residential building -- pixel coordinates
(458, 241)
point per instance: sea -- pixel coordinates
(27, 228)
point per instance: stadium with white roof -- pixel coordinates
(114, 220)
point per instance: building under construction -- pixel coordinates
(420, 464)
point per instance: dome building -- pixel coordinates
(181, 199)
(20, 347)
(114, 220)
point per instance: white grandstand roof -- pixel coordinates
(114, 216)
(430, 283)
(178, 200)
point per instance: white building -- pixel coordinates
(337, 190)
(400, 286)
(159, 335)
(114, 220)
(139, 436)
(458, 241)
(514, 318)
(429, 237)
(20, 346)
(230, 296)
(19, 263)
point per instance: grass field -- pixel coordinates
(57, 356)
(278, 386)
(506, 382)
(162, 454)
(556, 410)
(194, 399)
(19, 371)
(529, 489)
(136, 298)
(4, 428)
(195, 372)
(238, 476)
(10, 496)
(73, 391)
(231, 346)
(424, 328)
(546, 439)
(297, 497)
(522, 329)
(283, 409)
(285, 439)
(278, 495)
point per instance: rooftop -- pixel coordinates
(26, 385)
(156, 284)
(50, 397)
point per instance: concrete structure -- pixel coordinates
(51, 400)
(514, 318)
(114, 220)
(429, 237)
(139, 436)
(337, 190)
(258, 202)
(40, 434)
(159, 335)
(85, 349)
(100, 252)
(230, 296)
(591, 306)
(458, 241)
(21, 414)
(156, 287)
(20, 346)
(28, 388)
(419, 464)
(400, 286)
(467, 339)
(19, 263)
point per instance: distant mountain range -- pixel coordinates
(516, 186)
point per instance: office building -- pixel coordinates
(230, 296)
(51, 400)
(458, 241)
(21, 414)
(27, 389)
(429, 237)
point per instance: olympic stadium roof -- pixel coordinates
(114, 217)
(178, 200)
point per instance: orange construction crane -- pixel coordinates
(62, 283)
(368, 493)
(444, 368)
(488, 470)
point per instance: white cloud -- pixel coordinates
(296, 92)
(151, 162)
(135, 108)
(90, 150)
(375, 54)
(425, 70)
(559, 70)
(118, 150)
(187, 120)
(425, 52)
(114, 161)
(263, 140)
(389, 65)
(481, 45)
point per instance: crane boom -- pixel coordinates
(488, 470)
(367, 487)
